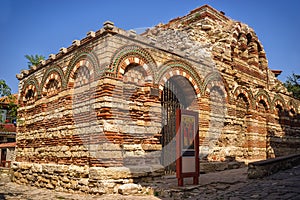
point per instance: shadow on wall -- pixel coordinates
(2, 196)
(284, 140)
(230, 162)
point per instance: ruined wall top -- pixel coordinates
(233, 45)
(203, 12)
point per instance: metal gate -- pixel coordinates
(171, 101)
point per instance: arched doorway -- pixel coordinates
(178, 93)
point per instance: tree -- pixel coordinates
(4, 88)
(12, 106)
(5, 91)
(293, 85)
(34, 59)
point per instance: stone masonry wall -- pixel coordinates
(94, 180)
(90, 116)
(260, 117)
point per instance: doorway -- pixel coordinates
(178, 93)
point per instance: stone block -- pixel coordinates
(83, 181)
(115, 173)
(108, 25)
(15, 165)
(108, 184)
(17, 175)
(76, 42)
(97, 191)
(151, 147)
(108, 147)
(49, 168)
(139, 171)
(78, 171)
(30, 177)
(157, 170)
(234, 165)
(221, 166)
(129, 189)
(65, 179)
(213, 166)
(63, 50)
(110, 127)
(101, 173)
(132, 147)
(84, 188)
(24, 180)
(24, 166)
(107, 154)
(74, 184)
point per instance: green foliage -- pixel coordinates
(12, 107)
(34, 59)
(4, 88)
(293, 85)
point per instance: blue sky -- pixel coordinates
(44, 26)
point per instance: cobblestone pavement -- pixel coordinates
(234, 185)
(230, 184)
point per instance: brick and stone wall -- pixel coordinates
(90, 116)
(260, 118)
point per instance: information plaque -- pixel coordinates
(187, 145)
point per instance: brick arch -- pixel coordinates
(240, 110)
(179, 68)
(30, 84)
(247, 93)
(86, 54)
(136, 74)
(238, 30)
(262, 95)
(291, 104)
(52, 73)
(250, 42)
(215, 80)
(132, 55)
(278, 100)
(70, 76)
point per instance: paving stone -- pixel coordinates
(214, 186)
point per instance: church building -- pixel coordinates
(101, 113)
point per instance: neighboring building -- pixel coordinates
(7, 131)
(101, 113)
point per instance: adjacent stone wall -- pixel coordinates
(264, 168)
(95, 180)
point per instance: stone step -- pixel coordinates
(206, 167)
